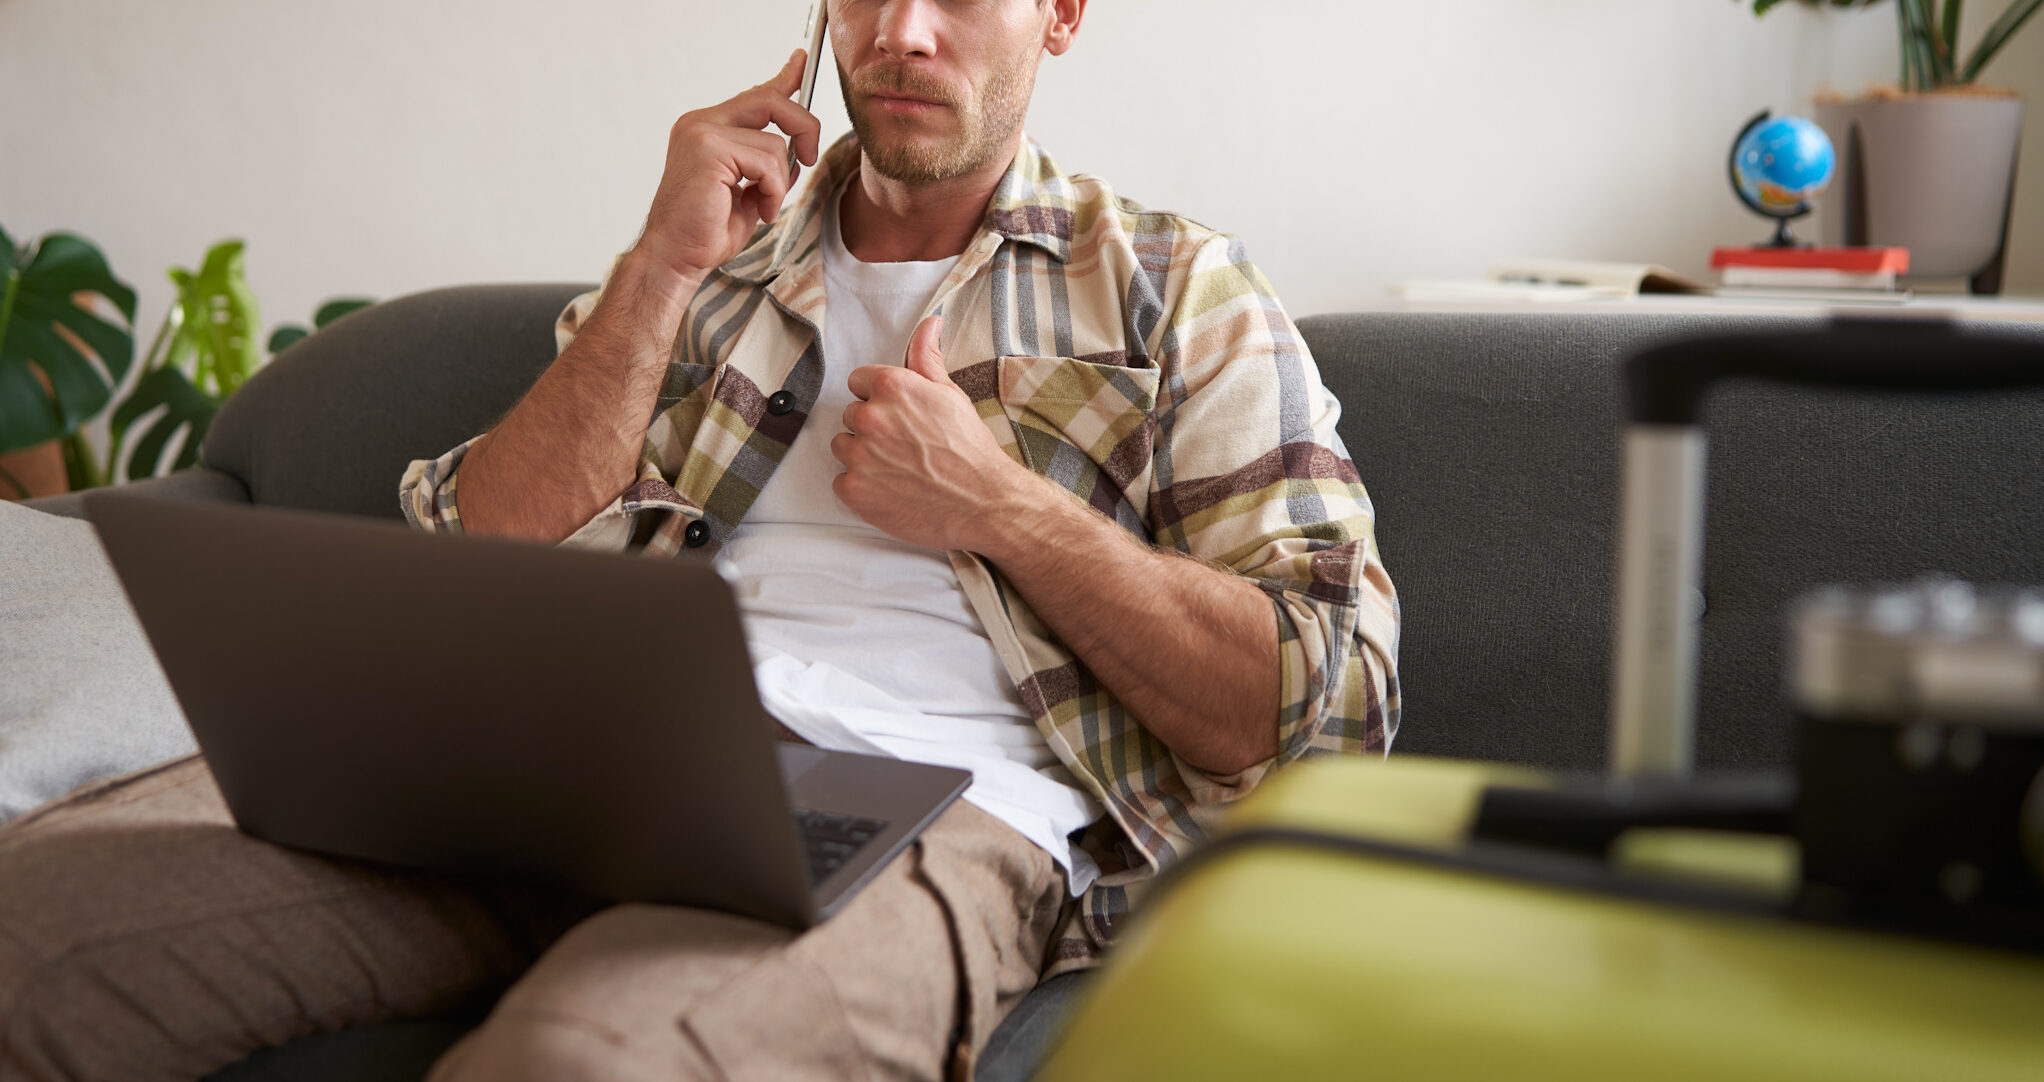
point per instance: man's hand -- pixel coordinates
(1191, 650)
(573, 442)
(725, 174)
(919, 462)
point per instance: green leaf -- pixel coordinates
(185, 407)
(1997, 36)
(1937, 50)
(181, 346)
(27, 415)
(108, 345)
(68, 264)
(42, 292)
(289, 334)
(338, 307)
(214, 339)
(286, 336)
(76, 387)
(1916, 74)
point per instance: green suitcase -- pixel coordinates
(1432, 919)
(1344, 931)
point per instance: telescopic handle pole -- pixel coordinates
(1660, 544)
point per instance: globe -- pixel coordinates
(1780, 163)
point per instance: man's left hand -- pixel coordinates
(919, 462)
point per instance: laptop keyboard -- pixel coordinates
(831, 838)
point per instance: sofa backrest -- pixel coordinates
(1490, 446)
(331, 423)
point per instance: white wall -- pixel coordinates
(384, 146)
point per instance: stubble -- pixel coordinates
(986, 127)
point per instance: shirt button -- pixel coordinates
(697, 534)
(780, 402)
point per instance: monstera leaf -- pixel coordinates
(59, 358)
(212, 328)
(184, 407)
(204, 351)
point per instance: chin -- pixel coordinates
(915, 159)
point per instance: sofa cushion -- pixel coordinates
(82, 697)
(331, 423)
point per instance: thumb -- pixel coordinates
(924, 358)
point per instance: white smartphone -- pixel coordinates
(812, 34)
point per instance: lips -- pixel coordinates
(899, 106)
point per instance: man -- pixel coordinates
(1011, 475)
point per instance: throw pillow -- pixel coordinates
(81, 695)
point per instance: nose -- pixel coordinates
(907, 29)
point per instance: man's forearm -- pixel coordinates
(1190, 649)
(574, 441)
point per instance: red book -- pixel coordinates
(1848, 260)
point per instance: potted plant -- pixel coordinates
(1929, 164)
(61, 357)
(203, 352)
(61, 360)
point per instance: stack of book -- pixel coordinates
(1847, 274)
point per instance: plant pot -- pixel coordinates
(1932, 173)
(40, 469)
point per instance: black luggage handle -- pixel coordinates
(1666, 385)
(1660, 535)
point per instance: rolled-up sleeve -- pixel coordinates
(1252, 475)
(428, 492)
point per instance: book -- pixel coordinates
(1812, 295)
(1807, 278)
(1480, 291)
(1857, 260)
(1613, 279)
(1815, 273)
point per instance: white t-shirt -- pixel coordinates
(865, 643)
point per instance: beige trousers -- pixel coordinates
(143, 937)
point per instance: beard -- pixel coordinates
(986, 126)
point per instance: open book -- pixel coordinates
(1622, 279)
(1557, 280)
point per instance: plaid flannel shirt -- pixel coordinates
(1134, 357)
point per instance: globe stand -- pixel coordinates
(1783, 236)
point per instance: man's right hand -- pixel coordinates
(573, 442)
(725, 174)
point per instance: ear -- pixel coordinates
(1063, 25)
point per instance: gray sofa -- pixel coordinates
(1490, 447)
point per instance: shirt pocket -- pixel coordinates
(1086, 425)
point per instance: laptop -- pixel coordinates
(499, 707)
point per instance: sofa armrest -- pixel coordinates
(197, 483)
